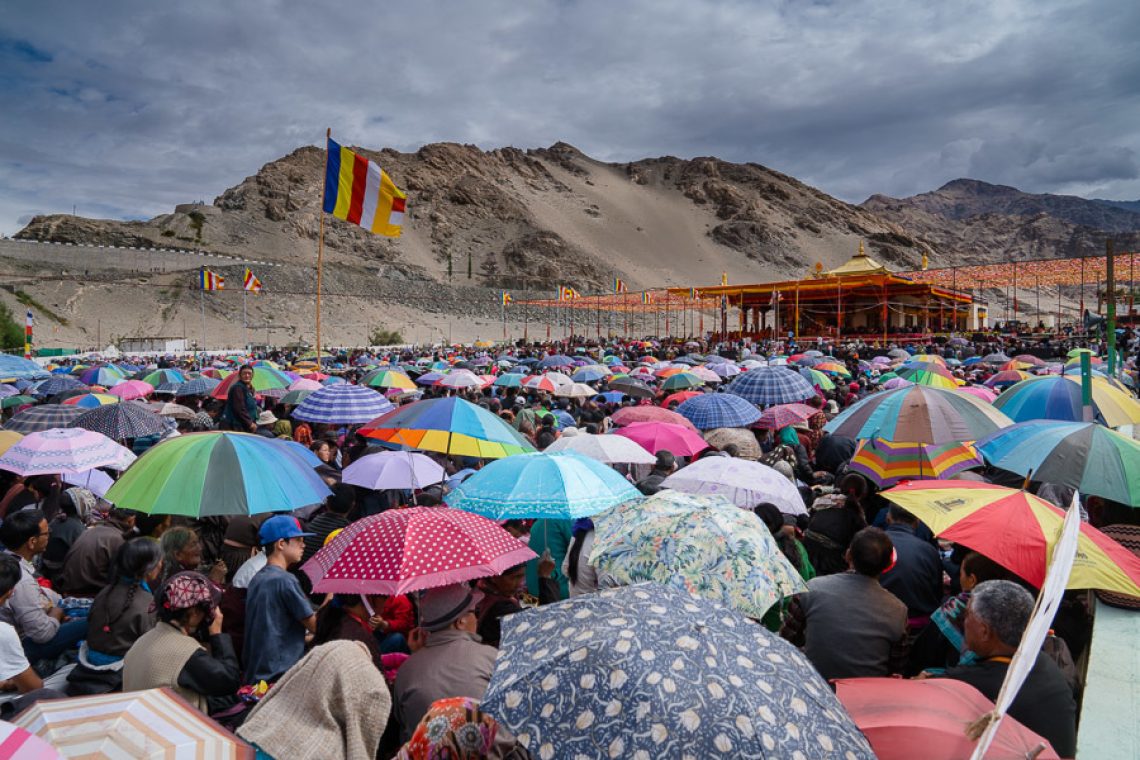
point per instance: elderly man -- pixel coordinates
(996, 617)
(240, 412)
(666, 465)
(452, 661)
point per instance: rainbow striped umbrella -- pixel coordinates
(264, 378)
(1016, 530)
(921, 414)
(1006, 378)
(448, 425)
(833, 367)
(207, 474)
(1058, 397)
(386, 378)
(887, 463)
(927, 359)
(91, 400)
(815, 377)
(104, 374)
(682, 381)
(927, 377)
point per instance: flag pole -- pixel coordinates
(320, 256)
(244, 320)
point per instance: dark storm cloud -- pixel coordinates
(127, 108)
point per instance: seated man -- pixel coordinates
(996, 616)
(916, 576)
(88, 562)
(16, 675)
(848, 625)
(452, 662)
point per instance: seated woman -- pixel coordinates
(506, 594)
(68, 525)
(171, 654)
(346, 618)
(121, 613)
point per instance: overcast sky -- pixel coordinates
(123, 109)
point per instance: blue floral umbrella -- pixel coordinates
(646, 671)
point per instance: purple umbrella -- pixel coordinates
(393, 470)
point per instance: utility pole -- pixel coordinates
(1110, 321)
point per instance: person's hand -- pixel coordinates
(545, 567)
(57, 613)
(8, 685)
(216, 624)
(378, 623)
(218, 573)
(253, 428)
(417, 638)
(922, 676)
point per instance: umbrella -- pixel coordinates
(450, 426)
(91, 400)
(8, 439)
(403, 470)
(57, 384)
(927, 359)
(682, 381)
(920, 414)
(1085, 456)
(95, 481)
(590, 374)
(403, 550)
(608, 449)
(979, 391)
(207, 474)
(781, 415)
(156, 723)
(509, 380)
(45, 417)
(658, 436)
(122, 421)
(630, 415)
(747, 447)
(342, 405)
(264, 378)
(1030, 359)
(899, 353)
(539, 383)
(304, 384)
(631, 386)
(724, 369)
(19, 744)
(815, 377)
(904, 719)
(1006, 378)
(1058, 397)
(575, 390)
(651, 672)
(765, 386)
(160, 376)
(714, 410)
(833, 367)
(1016, 530)
(742, 482)
(995, 359)
(558, 379)
(674, 400)
(174, 411)
(19, 368)
(930, 375)
(8, 402)
(537, 485)
(460, 378)
(386, 378)
(64, 450)
(894, 382)
(131, 389)
(293, 398)
(198, 386)
(105, 375)
(887, 463)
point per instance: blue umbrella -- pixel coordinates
(39, 418)
(510, 380)
(589, 375)
(765, 386)
(646, 671)
(333, 380)
(19, 368)
(300, 450)
(429, 378)
(556, 361)
(715, 410)
(612, 397)
(561, 486)
(342, 405)
(57, 384)
(199, 386)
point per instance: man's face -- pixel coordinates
(246, 375)
(294, 549)
(976, 632)
(40, 541)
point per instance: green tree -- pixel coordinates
(11, 331)
(382, 337)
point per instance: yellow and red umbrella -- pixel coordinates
(1017, 530)
(887, 463)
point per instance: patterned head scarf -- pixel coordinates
(83, 500)
(188, 589)
(452, 729)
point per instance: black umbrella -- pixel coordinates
(121, 421)
(45, 417)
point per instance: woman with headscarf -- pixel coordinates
(68, 525)
(331, 705)
(457, 729)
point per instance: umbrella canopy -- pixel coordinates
(1016, 530)
(747, 447)
(206, 474)
(509, 380)
(765, 386)
(744, 483)
(715, 410)
(264, 378)
(537, 485)
(57, 384)
(160, 376)
(919, 414)
(122, 421)
(590, 374)
(575, 390)
(979, 391)
(198, 386)
(450, 426)
(1006, 378)
(780, 416)
(460, 378)
(91, 400)
(403, 550)
(631, 386)
(658, 436)
(887, 463)
(608, 449)
(724, 369)
(404, 470)
(18, 399)
(673, 400)
(105, 375)
(38, 418)
(386, 378)
(1082, 455)
(131, 389)
(1058, 397)
(304, 384)
(833, 367)
(631, 415)
(647, 671)
(342, 405)
(8, 439)
(905, 719)
(174, 411)
(153, 724)
(64, 450)
(815, 377)
(19, 368)
(293, 398)
(932, 375)
(556, 361)
(682, 381)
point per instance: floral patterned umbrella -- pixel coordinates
(648, 671)
(705, 545)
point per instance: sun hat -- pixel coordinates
(440, 607)
(280, 527)
(266, 418)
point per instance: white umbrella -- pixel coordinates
(461, 378)
(95, 481)
(559, 379)
(575, 390)
(393, 470)
(745, 483)
(61, 450)
(610, 449)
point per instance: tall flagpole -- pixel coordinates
(244, 320)
(320, 256)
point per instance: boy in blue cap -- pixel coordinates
(277, 612)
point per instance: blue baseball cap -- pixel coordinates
(278, 527)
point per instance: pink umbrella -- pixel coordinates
(304, 384)
(633, 414)
(460, 378)
(981, 391)
(658, 436)
(706, 374)
(19, 744)
(896, 382)
(781, 415)
(64, 450)
(131, 389)
(404, 550)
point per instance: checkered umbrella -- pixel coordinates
(122, 421)
(765, 386)
(199, 386)
(57, 384)
(714, 410)
(342, 405)
(44, 417)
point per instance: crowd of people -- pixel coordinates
(99, 599)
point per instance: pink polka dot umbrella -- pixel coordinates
(403, 550)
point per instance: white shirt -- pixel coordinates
(12, 659)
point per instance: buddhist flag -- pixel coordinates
(28, 321)
(723, 278)
(359, 191)
(646, 297)
(208, 280)
(250, 282)
(507, 298)
(694, 293)
(567, 293)
(619, 285)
